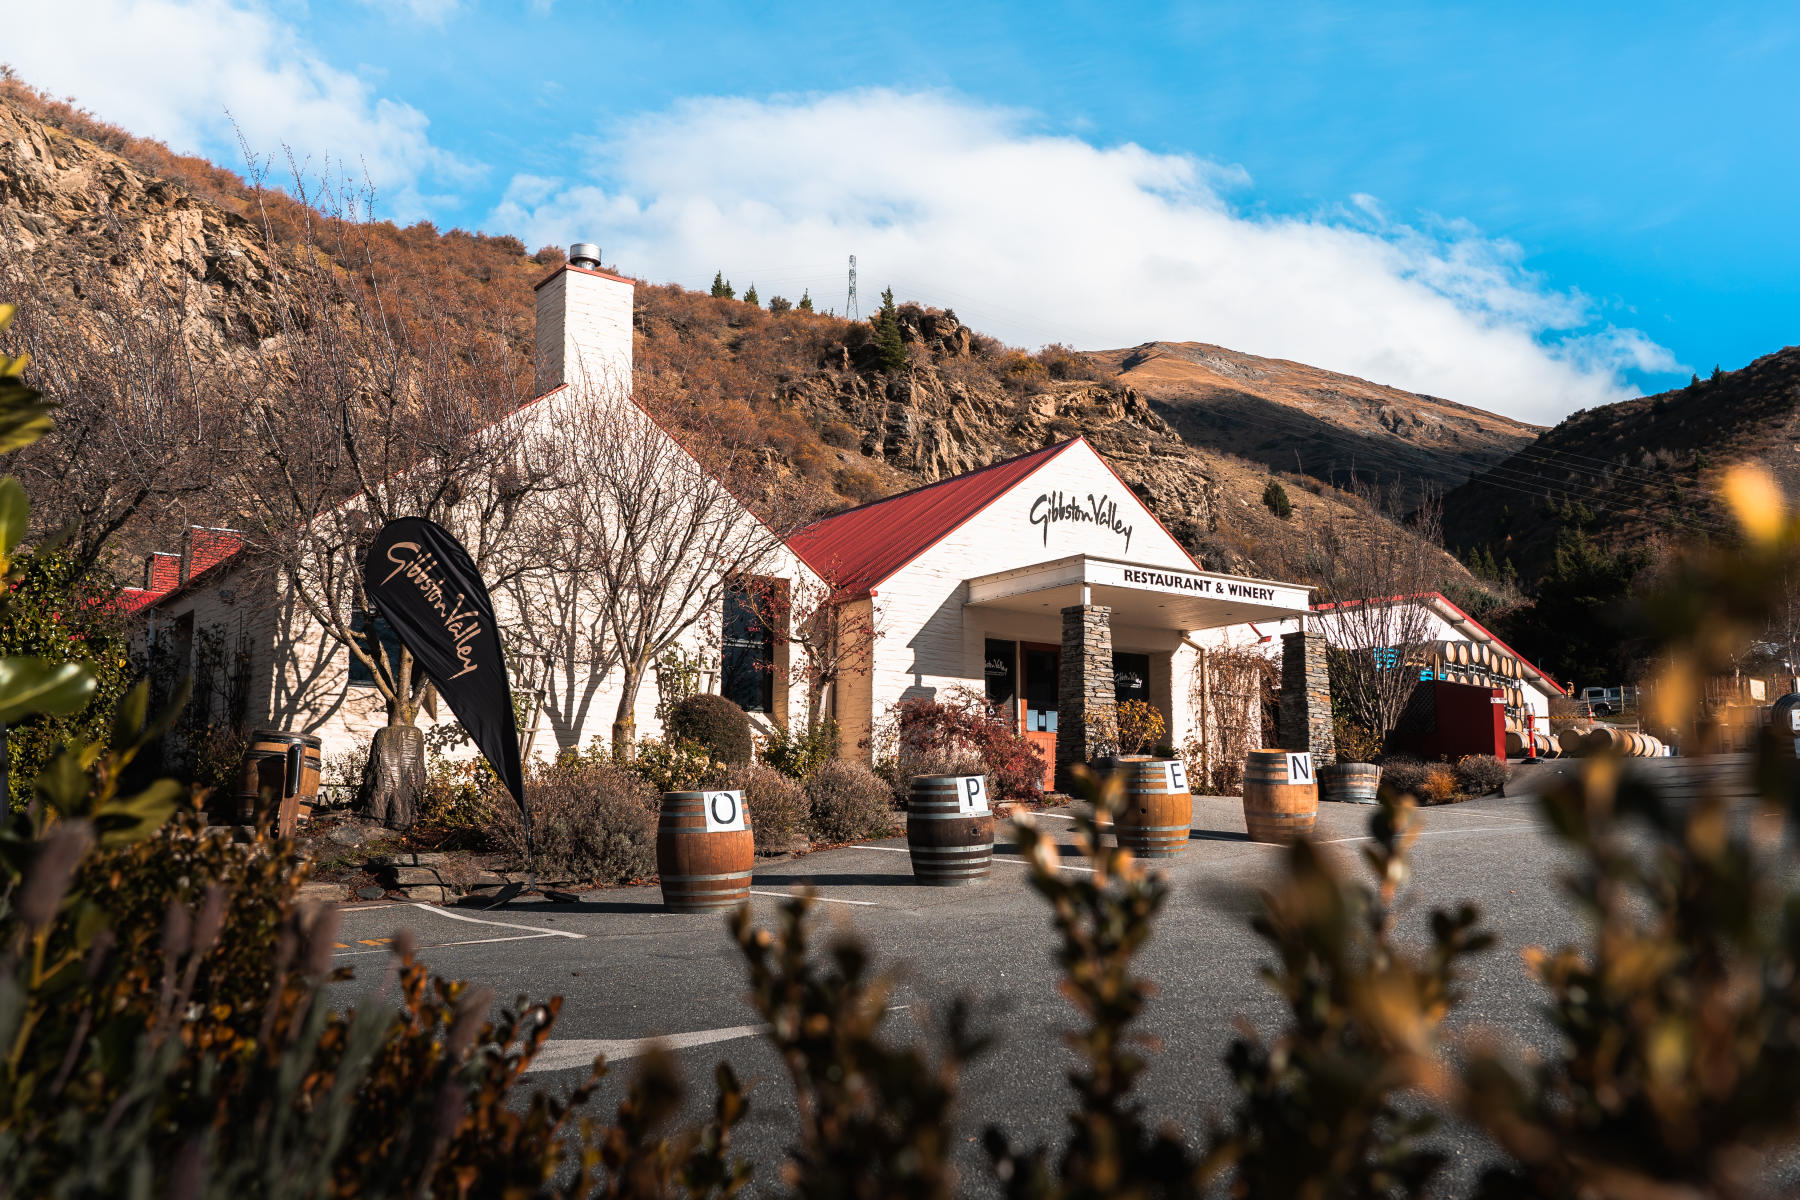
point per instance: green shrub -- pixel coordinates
(59, 613)
(458, 802)
(848, 801)
(672, 765)
(1481, 774)
(1355, 742)
(591, 822)
(776, 804)
(798, 752)
(1275, 498)
(716, 724)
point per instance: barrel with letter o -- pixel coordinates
(949, 830)
(704, 851)
(1281, 795)
(1156, 814)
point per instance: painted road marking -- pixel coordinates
(1433, 833)
(523, 937)
(537, 929)
(827, 899)
(580, 1052)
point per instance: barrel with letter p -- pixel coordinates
(949, 829)
(1156, 814)
(1281, 795)
(704, 851)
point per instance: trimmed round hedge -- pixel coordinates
(717, 724)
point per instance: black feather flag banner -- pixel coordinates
(431, 594)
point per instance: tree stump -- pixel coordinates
(395, 780)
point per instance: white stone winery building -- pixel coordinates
(1042, 583)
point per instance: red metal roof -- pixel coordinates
(855, 550)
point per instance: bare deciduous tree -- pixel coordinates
(140, 425)
(1371, 570)
(836, 639)
(357, 420)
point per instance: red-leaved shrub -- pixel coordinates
(948, 736)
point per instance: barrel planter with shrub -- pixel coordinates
(1281, 800)
(949, 830)
(1349, 782)
(1156, 814)
(704, 851)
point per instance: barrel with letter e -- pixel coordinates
(949, 829)
(704, 851)
(1156, 814)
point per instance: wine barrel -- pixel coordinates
(284, 767)
(1157, 813)
(1515, 744)
(1276, 807)
(1605, 739)
(704, 851)
(1459, 653)
(1545, 747)
(949, 830)
(1349, 783)
(1572, 740)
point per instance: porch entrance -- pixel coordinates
(1041, 667)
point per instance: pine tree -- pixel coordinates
(805, 301)
(720, 289)
(890, 351)
(1718, 373)
(750, 295)
(1693, 382)
(1509, 574)
(1276, 497)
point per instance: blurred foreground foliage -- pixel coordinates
(168, 1024)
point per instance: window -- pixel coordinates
(1131, 677)
(389, 643)
(747, 661)
(1000, 666)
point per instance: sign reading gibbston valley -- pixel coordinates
(1053, 508)
(429, 591)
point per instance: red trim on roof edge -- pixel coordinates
(554, 271)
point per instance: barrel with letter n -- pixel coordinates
(280, 769)
(1281, 795)
(1156, 813)
(949, 829)
(704, 851)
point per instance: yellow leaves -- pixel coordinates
(1755, 499)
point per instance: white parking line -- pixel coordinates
(1435, 832)
(537, 929)
(827, 899)
(524, 937)
(579, 1052)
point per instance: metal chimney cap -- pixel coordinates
(585, 254)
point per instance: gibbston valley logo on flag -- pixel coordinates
(428, 589)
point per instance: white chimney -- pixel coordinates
(584, 326)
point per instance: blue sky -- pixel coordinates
(1526, 208)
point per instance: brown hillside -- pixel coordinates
(1292, 417)
(798, 394)
(1636, 470)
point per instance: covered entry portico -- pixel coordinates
(1126, 629)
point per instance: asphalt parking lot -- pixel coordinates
(631, 973)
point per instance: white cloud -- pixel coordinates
(1037, 238)
(170, 69)
(432, 12)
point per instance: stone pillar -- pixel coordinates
(1306, 697)
(1084, 688)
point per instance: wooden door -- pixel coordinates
(1041, 668)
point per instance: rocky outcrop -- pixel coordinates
(70, 210)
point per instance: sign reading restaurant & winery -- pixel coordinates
(1051, 508)
(1201, 585)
